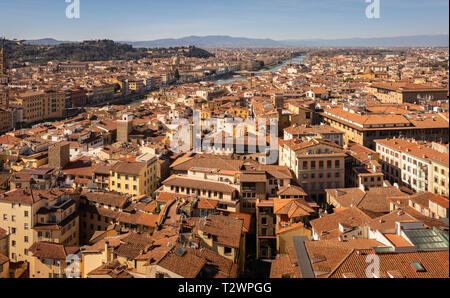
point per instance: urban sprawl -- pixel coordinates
(317, 159)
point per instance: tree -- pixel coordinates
(176, 74)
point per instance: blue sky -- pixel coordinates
(277, 19)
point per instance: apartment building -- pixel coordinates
(37, 215)
(135, 85)
(134, 178)
(364, 128)
(414, 164)
(315, 131)
(223, 235)
(261, 182)
(53, 260)
(5, 120)
(317, 164)
(399, 92)
(198, 183)
(362, 168)
(42, 105)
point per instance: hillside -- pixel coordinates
(95, 50)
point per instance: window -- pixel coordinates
(264, 221)
(25, 213)
(329, 164)
(13, 218)
(337, 164)
(134, 187)
(26, 226)
(5, 216)
(305, 165)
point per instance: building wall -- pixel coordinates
(4, 270)
(145, 182)
(284, 240)
(47, 268)
(42, 105)
(18, 245)
(439, 178)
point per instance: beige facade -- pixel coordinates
(401, 93)
(134, 179)
(41, 105)
(41, 216)
(317, 165)
(439, 177)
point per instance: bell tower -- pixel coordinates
(2, 61)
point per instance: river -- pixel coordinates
(295, 60)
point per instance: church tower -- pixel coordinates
(2, 61)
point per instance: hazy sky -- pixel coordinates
(277, 19)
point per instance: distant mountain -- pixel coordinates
(45, 42)
(214, 41)
(220, 41)
(400, 41)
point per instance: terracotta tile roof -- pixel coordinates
(281, 267)
(216, 265)
(435, 264)
(326, 255)
(27, 196)
(129, 168)
(51, 250)
(374, 201)
(107, 198)
(292, 207)
(187, 265)
(291, 190)
(206, 161)
(227, 229)
(327, 227)
(203, 203)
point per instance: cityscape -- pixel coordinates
(218, 157)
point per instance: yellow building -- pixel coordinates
(400, 92)
(318, 164)
(36, 160)
(5, 120)
(41, 105)
(134, 178)
(239, 112)
(439, 174)
(34, 215)
(4, 266)
(50, 260)
(135, 85)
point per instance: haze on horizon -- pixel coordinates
(138, 20)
